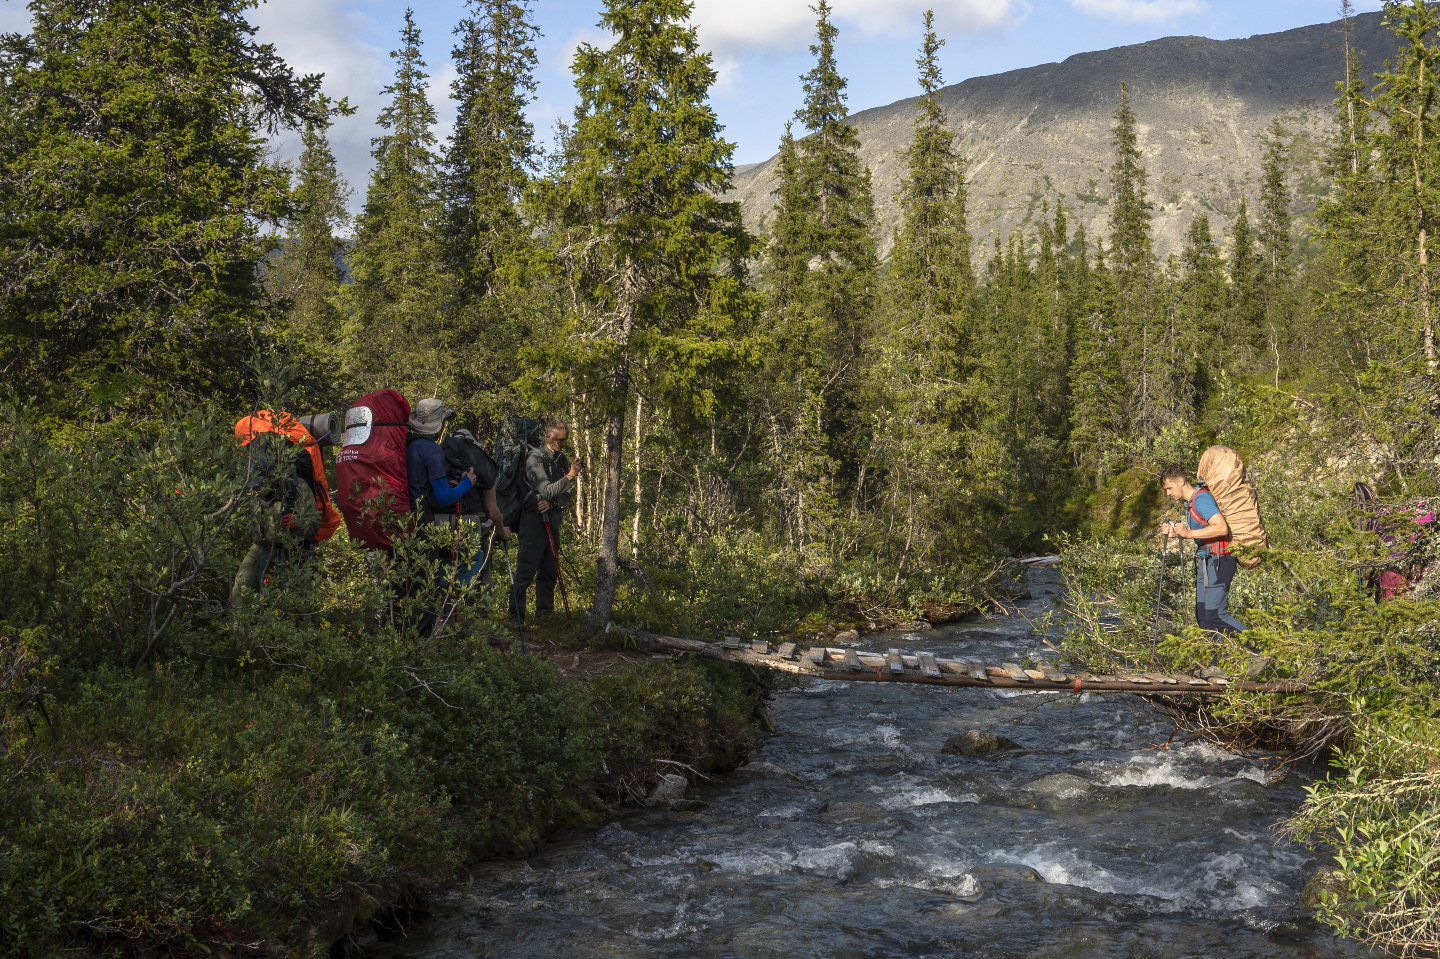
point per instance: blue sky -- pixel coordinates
(759, 48)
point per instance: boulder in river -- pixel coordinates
(766, 771)
(1326, 879)
(1006, 872)
(1060, 786)
(847, 636)
(918, 626)
(975, 742)
(670, 789)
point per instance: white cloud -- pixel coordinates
(324, 36)
(734, 28)
(1139, 11)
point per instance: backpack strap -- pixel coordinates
(1220, 545)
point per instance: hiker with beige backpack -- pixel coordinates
(1222, 511)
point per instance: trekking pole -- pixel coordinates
(1160, 590)
(559, 576)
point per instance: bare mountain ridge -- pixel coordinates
(1044, 132)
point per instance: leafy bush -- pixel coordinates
(175, 772)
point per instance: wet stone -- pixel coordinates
(763, 770)
(1326, 879)
(974, 742)
(1060, 786)
(1008, 872)
(670, 789)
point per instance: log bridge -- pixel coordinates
(893, 666)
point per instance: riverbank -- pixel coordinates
(275, 819)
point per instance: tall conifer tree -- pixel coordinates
(920, 355)
(307, 271)
(492, 152)
(1200, 296)
(654, 258)
(820, 273)
(1247, 299)
(134, 190)
(398, 301)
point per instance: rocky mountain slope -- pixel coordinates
(1043, 132)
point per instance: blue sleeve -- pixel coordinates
(1205, 505)
(445, 494)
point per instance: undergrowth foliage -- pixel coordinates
(176, 773)
(1313, 613)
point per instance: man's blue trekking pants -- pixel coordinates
(1212, 594)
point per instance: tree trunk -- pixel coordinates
(607, 569)
(639, 423)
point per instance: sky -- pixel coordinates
(760, 49)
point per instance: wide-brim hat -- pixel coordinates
(429, 416)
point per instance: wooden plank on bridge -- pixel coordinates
(816, 655)
(1014, 671)
(928, 666)
(897, 665)
(760, 646)
(787, 651)
(852, 661)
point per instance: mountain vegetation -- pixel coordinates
(795, 429)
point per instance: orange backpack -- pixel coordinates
(267, 421)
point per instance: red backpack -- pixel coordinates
(370, 467)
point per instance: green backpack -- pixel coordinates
(518, 436)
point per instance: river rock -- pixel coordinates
(1008, 872)
(850, 813)
(847, 636)
(766, 771)
(1326, 879)
(670, 789)
(1060, 786)
(918, 626)
(974, 742)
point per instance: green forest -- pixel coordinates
(787, 433)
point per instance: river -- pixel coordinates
(851, 835)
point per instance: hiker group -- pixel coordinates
(400, 475)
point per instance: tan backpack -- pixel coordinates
(1224, 475)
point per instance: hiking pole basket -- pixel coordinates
(559, 574)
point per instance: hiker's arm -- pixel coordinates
(493, 510)
(541, 484)
(445, 494)
(1215, 528)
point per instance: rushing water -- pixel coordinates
(851, 835)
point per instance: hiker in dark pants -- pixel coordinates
(430, 490)
(1215, 565)
(549, 479)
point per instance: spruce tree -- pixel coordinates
(1396, 237)
(652, 255)
(1247, 300)
(1275, 215)
(820, 274)
(1129, 382)
(920, 365)
(135, 188)
(492, 153)
(306, 273)
(1200, 295)
(397, 330)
